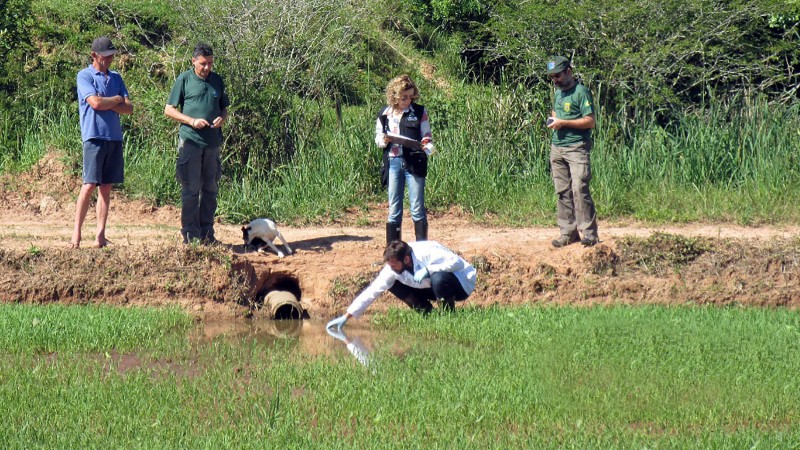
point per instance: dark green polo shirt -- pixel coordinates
(573, 103)
(201, 99)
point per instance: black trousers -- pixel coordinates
(445, 287)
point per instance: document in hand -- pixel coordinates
(404, 141)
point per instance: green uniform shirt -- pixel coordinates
(573, 103)
(201, 99)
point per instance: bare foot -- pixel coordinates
(73, 244)
(102, 243)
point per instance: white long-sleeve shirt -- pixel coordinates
(424, 254)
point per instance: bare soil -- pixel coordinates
(723, 264)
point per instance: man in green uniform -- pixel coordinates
(200, 95)
(572, 120)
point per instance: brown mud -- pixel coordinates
(719, 263)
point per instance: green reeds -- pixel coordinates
(25, 140)
(734, 161)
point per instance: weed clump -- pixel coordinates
(602, 261)
(344, 288)
(662, 252)
(481, 263)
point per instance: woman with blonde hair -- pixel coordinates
(403, 131)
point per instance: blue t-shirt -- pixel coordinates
(104, 125)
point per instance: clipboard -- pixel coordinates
(404, 141)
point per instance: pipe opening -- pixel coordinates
(287, 312)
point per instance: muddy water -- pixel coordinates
(308, 336)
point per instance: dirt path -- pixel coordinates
(516, 265)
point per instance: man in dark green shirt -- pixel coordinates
(572, 120)
(199, 103)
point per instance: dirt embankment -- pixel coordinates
(146, 264)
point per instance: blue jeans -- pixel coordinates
(399, 177)
(198, 170)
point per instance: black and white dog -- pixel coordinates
(260, 233)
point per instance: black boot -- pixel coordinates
(447, 304)
(393, 232)
(418, 304)
(421, 229)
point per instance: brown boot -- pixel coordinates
(566, 239)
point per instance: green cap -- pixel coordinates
(557, 64)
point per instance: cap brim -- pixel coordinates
(107, 53)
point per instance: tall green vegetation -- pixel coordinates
(696, 102)
(274, 53)
(15, 42)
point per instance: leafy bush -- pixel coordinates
(646, 56)
(14, 42)
(271, 53)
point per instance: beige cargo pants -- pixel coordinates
(571, 169)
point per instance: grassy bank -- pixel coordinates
(129, 275)
(497, 378)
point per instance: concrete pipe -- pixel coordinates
(283, 305)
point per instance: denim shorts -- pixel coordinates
(103, 162)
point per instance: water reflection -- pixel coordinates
(308, 336)
(355, 346)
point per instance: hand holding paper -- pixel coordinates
(404, 141)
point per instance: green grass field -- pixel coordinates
(526, 377)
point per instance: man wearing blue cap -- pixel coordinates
(572, 119)
(102, 97)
